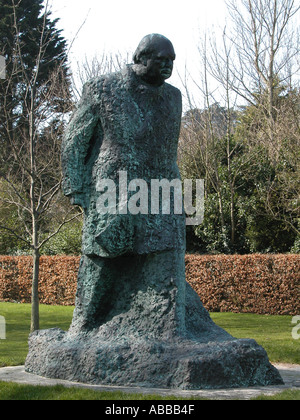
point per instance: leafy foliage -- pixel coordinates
(252, 185)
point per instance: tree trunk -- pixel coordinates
(232, 215)
(35, 313)
(221, 209)
(35, 318)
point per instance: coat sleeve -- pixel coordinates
(77, 139)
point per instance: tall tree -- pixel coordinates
(35, 99)
(33, 48)
(254, 63)
(266, 42)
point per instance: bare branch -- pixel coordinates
(65, 221)
(20, 238)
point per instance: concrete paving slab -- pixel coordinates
(289, 373)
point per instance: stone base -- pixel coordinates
(138, 323)
(182, 364)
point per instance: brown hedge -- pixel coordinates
(262, 284)
(58, 279)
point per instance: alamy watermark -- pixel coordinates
(2, 328)
(296, 329)
(157, 197)
(2, 67)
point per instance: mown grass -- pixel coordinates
(16, 392)
(289, 395)
(274, 333)
(12, 391)
(14, 349)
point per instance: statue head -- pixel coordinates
(153, 59)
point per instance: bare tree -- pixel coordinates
(97, 66)
(30, 167)
(265, 72)
(209, 136)
(203, 125)
(266, 42)
(254, 62)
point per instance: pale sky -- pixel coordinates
(118, 26)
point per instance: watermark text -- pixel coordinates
(296, 329)
(158, 197)
(2, 68)
(2, 328)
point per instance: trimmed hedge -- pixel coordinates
(262, 284)
(58, 279)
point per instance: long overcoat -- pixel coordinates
(123, 125)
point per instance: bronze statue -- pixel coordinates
(137, 322)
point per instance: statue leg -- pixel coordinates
(126, 294)
(137, 323)
(148, 296)
(93, 297)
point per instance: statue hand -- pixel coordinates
(78, 199)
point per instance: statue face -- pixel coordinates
(155, 64)
(160, 65)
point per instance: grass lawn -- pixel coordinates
(11, 392)
(14, 349)
(274, 333)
